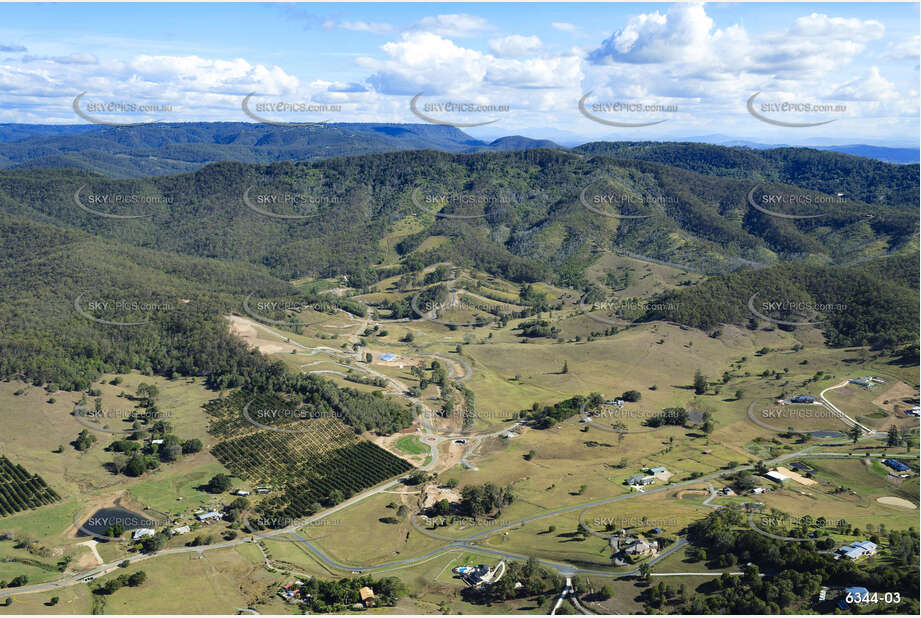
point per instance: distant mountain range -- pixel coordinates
(172, 148)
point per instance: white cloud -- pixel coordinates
(515, 45)
(359, 26)
(565, 26)
(453, 25)
(869, 87)
(906, 49)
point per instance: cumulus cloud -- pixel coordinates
(515, 45)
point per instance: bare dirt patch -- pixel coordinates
(252, 336)
(894, 395)
(434, 494)
(799, 478)
(899, 502)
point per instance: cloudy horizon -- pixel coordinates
(642, 71)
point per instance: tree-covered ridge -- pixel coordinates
(866, 180)
(874, 303)
(530, 219)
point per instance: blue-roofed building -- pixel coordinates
(867, 546)
(856, 550)
(898, 466)
(388, 356)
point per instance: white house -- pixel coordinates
(180, 530)
(209, 516)
(140, 533)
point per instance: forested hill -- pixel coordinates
(61, 326)
(867, 180)
(529, 215)
(169, 148)
(874, 303)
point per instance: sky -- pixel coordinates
(689, 68)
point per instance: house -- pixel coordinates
(641, 547)
(856, 550)
(475, 576)
(263, 490)
(241, 492)
(867, 546)
(641, 480)
(388, 356)
(898, 466)
(367, 596)
(774, 475)
(851, 553)
(657, 470)
(209, 516)
(866, 382)
(156, 441)
(292, 591)
(140, 533)
(180, 530)
(619, 403)
(803, 399)
(915, 411)
(758, 490)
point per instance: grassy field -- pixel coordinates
(412, 445)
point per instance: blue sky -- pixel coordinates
(692, 65)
